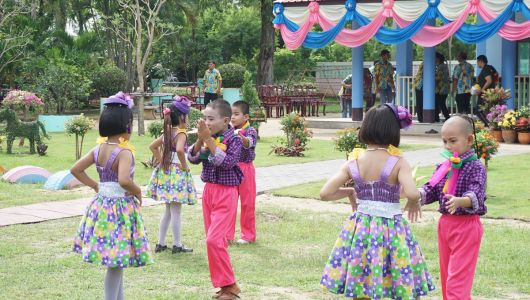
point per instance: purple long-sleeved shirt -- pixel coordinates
(222, 167)
(471, 183)
(249, 154)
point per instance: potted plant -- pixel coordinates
(492, 97)
(522, 126)
(495, 117)
(347, 140)
(28, 102)
(157, 74)
(508, 127)
(233, 79)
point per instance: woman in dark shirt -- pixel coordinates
(487, 79)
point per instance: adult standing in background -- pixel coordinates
(212, 83)
(384, 78)
(418, 89)
(463, 78)
(442, 88)
(487, 79)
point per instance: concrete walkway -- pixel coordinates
(267, 178)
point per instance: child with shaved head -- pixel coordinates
(459, 186)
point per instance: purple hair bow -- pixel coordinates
(121, 98)
(402, 114)
(182, 104)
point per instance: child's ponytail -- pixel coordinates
(166, 154)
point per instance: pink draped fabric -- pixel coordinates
(347, 37)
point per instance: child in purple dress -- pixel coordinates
(171, 181)
(111, 231)
(376, 255)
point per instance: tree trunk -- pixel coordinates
(141, 89)
(77, 147)
(265, 72)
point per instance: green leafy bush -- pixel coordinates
(107, 80)
(233, 75)
(347, 140)
(155, 128)
(63, 86)
(157, 71)
(297, 135)
(193, 117)
(250, 95)
(79, 126)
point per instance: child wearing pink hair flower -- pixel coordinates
(171, 181)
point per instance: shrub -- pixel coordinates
(347, 140)
(297, 136)
(157, 71)
(108, 80)
(79, 126)
(485, 145)
(233, 75)
(250, 95)
(193, 117)
(155, 128)
(63, 86)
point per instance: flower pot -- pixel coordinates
(497, 134)
(509, 136)
(523, 137)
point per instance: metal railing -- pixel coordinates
(406, 96)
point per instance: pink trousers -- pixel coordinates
(219, 204)
(459, 243)
(247, 194)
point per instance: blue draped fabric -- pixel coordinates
(467, 33)
(473, 34)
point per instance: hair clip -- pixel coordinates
(166, 111)
(402, 115)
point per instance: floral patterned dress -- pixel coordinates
(174, 184)
(112, 231)
(376, 255)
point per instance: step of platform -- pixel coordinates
(342, 123)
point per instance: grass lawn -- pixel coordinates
(60, 156)
(507, 189)
(287, 261)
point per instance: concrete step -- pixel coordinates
(342, 123)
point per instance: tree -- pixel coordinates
(13, 39)
(142, 19)
(266, 53)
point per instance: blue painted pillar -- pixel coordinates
(509, 56)
(508, 68)
(480, 47)
(428, 84)
(357, 82)
(403, 68)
